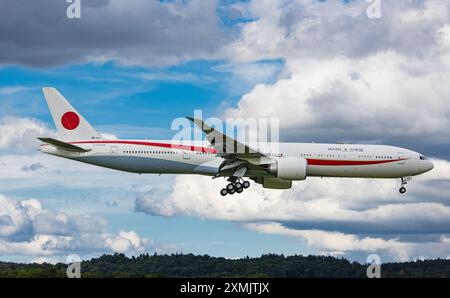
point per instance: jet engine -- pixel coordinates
(289, 168)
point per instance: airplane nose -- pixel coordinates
(430, 166)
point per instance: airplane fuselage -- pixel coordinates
(323, 160)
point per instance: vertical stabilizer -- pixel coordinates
(71, 126)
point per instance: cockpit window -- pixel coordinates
(422, 157)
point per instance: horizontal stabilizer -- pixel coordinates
(63, 145)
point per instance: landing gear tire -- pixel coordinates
(402, 190)
(246, 184)
(235, 185)
(238, 185)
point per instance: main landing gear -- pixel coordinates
(236, 185)
(405, 180)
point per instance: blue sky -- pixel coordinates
(139, 103)
(146, 97)
(326, 69)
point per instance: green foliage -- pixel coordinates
(189, 265)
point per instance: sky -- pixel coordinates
(331, 71)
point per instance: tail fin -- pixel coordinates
(71, 126)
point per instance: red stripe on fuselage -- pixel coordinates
(154, 144)
(330, 162)
(311, 161)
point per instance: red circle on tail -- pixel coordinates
(70, 120)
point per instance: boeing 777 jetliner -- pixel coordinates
(78, 140)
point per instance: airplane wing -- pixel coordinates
(63, 145)
(223, 144)
(238, 157)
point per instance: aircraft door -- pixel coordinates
(114, 150)
(186, 155)
(401, 156)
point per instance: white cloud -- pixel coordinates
(15, 216)
(48, 260)
(26, 228)
(351, 78)
(20, 134)
(8, 90)
(352, 209)
(39, 245)
(385, 96)
(341, 243)
(368, 200)
(304, 29)
(28, 170)
(126, 242)
(330, 241)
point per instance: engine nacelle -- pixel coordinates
(289, 168)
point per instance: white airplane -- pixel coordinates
(79, 141)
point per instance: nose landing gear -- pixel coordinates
(405, 180)
(236, 185)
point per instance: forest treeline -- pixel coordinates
(189, 265)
